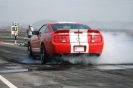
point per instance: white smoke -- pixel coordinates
(118, 49)
(26, 60)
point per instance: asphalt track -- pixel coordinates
(19, 71)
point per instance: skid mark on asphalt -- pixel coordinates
(9, 68)
(9, 52)
(79, 67)
(114, 67)
(26, 60)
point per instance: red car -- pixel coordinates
(64, 38)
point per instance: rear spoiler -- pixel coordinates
(93, 31)
(62, 31)
(67, 31)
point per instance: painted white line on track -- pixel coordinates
(10, 85)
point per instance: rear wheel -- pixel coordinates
(43, 55)
(29, 52)
(98, 55)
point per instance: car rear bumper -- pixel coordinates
(96, 47)
(67, 48)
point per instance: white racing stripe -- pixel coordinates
(10, 85)
(74, 39)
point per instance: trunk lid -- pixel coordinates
(76, 35)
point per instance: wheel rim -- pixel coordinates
(42, 54)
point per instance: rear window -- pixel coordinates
(69, 26)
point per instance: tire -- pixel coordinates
(43, 55)
(29, 52)
(98, 55)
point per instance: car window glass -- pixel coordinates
(42, 29)
(81, 27)
(47, 30)
(69, 26)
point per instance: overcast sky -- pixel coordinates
(66, 10)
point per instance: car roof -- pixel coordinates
(64, 22)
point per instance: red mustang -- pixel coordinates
(65, 38)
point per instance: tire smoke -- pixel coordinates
(118, 49)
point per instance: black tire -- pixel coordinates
(98, 55)
(43, 55)
(29, 52)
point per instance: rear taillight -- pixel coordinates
(96, 38)
(59, 38)
(89, 38)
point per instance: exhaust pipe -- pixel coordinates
(60, 55)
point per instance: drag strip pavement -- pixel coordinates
(72, 76)
(34, 75)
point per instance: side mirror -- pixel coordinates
(35, 32)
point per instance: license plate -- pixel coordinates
(79, 48)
